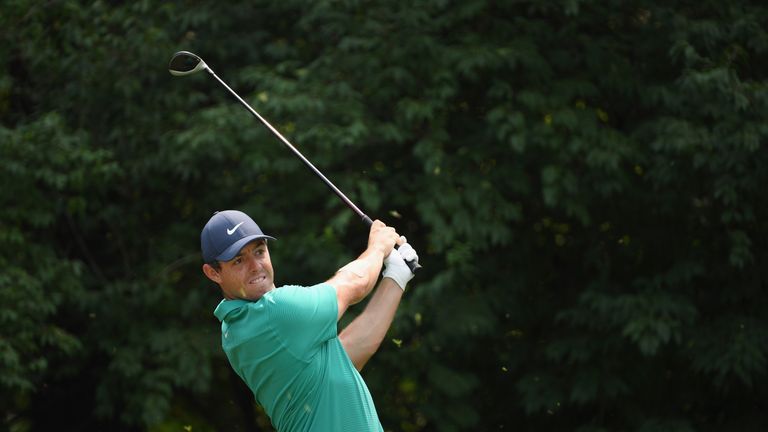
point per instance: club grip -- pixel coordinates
(413, 265)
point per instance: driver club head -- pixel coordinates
(185, 63)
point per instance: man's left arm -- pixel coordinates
(363, 336)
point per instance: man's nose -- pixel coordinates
(253, 264)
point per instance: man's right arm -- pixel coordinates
(354, 281)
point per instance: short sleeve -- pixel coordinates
(304, 317)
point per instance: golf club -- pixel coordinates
(186, 63)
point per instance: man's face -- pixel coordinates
(249, 275)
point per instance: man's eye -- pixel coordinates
(238, 260)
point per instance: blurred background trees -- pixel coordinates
(584, 182)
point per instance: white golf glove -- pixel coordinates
(395, 266)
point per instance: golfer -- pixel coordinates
(284, 343)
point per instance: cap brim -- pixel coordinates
(233, 250)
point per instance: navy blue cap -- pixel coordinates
(226, 233)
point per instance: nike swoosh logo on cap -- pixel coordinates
(232, 231)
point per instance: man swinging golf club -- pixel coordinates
(283, 342)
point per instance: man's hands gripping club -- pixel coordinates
(396, 267)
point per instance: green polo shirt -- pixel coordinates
(285, 347)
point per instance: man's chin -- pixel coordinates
(256, 291)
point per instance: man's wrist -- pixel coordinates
(394, 282)
(397, 278)
(374, 253)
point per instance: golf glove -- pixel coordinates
(395, 266)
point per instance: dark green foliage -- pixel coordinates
(584, 182)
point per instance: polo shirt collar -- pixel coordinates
(227, 306)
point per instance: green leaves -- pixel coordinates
(655, 320)
(732, 347)
(540, 393)
(583, 182)
(648, 319)
(47, 171)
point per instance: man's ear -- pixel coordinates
(211, 273)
